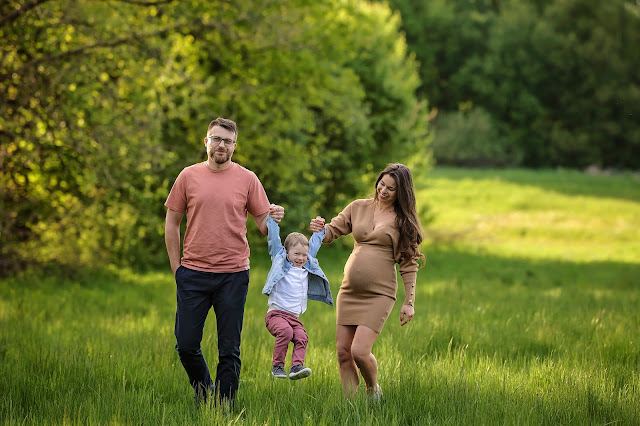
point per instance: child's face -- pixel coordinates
(298, 254)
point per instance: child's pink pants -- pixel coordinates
(287, 328)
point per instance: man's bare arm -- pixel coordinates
(275, 211)
(172, 237)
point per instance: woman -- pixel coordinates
(386, 231)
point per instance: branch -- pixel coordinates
(634, 10)
(144, 3)
(17, 13)
(63, 55)
(84, 49)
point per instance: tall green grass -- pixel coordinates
(526, 313)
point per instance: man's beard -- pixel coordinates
(218, 159)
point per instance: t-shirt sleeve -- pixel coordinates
(177, 199)
(257, 201)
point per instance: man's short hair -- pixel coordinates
(225, 123)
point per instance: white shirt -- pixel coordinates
(290, 293)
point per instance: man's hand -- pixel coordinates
(317, 224)
(406, 313)
(276, 212)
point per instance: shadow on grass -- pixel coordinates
(449, 262)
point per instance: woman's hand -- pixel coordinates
(317, 224)
(406, 313)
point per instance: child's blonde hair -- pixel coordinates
(295, 238)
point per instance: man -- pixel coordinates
(217, 195)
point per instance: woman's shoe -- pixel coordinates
(376, 394)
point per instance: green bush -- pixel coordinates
(472, 138)
(91, 143)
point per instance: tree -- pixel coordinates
(563, 84)
(78, 127)
(105, 101)
(558, 79)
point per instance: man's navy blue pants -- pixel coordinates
(197, 292)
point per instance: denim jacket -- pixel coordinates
(318, 283)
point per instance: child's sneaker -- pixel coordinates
(278, 372)
(299, 372)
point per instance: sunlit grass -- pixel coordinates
(526, 313)
(537, 214)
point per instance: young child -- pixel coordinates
(295, 276)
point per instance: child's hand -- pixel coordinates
(276, 212)
(317, 224)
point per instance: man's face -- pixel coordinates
(218, 143)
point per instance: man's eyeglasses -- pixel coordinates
(215, 140)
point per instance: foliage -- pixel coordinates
(471, 138)
(102, 103)
(444, 35)
(564, 83)
(77, 130)
(105, 102)
(559, 78)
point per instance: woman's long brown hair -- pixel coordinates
(407, 220)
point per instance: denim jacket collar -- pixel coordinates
(319, 288)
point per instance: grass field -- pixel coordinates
(526, 313)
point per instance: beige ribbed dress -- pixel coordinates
(368, 289)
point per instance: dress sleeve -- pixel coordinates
(409, 272)
(339, 226)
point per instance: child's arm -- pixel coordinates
(273, 236)
(315, 242)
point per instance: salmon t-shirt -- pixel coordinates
(217, 203)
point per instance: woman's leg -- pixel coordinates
(346, 363)
(361, 346)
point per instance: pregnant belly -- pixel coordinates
(370, 270)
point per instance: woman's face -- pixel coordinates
(387, 190)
